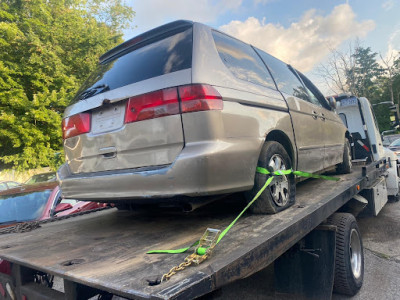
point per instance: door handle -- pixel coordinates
(314, 115)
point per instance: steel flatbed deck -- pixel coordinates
(106, 250)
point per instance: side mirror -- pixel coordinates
(62, 207)
(332, 102)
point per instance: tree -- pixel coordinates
(390, 69)
(358, 72)
(365, 70)
(47, 48)
(337, 71)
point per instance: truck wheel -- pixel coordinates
(349, 262)
(280, 194)
(345, 166)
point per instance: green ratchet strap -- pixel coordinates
(267, 183)
(297, 173)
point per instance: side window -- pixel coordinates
(241, 59)
(3, 186)
(312, 98)
(344, 119)
(285, 79)
(375, 120)
(316, 96)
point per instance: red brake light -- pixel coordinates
(152, 105)
(199, 97)
(5, 267)
(76, 125)
(165, 102)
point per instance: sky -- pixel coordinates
(299, 32)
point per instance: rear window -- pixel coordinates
(23, 207)
(241, 59)
(170, 54)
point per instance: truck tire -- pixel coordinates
(280, 194)
(345, 166)
(349, 261)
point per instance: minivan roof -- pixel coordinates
(147, 37)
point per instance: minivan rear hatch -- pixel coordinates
(126, 115)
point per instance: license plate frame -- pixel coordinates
(109, 118)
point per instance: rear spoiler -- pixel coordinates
(146, 38)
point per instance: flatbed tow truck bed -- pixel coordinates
(106, 250)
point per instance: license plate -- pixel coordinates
(108, 118)
(348, 102)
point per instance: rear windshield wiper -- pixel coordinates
(93, 91)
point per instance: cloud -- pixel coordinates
(304, 43)
(256, 2)
(393, 47)
(388, 5)
(152, 13)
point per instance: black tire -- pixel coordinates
(345, 166)
(280, 194)
(349, 262)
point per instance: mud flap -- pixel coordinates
(306, 271)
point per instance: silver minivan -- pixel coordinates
(185, 110)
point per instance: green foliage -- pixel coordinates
(381, 91)
(47, 48)
(365, 70)
(367, 78)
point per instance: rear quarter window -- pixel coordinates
(241, 59)
(166, 55)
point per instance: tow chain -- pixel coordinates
(188, 261)
(32, 225)
(202, 251)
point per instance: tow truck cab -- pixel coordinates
(358, 115)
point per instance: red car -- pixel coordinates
(29, 203)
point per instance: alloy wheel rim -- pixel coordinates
(279, 186)
(349, 153)
(355, 253)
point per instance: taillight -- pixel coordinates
(199, 97)
(76, 125)
(5, 267)
(152, 105)
(196, 97)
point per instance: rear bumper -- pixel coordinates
(202, 168)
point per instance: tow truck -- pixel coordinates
(315, 245)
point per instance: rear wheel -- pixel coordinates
(349, 262)
(280, 194)
(345, 166)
